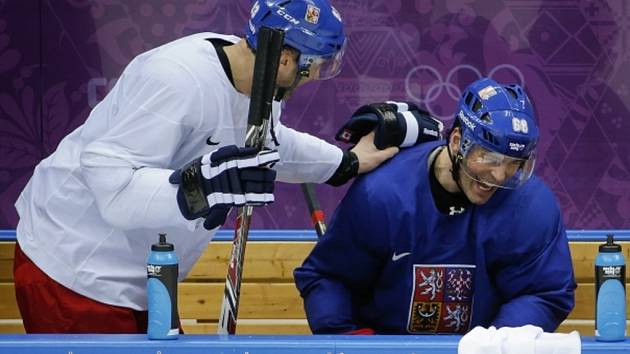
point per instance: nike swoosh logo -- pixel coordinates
(210, 142)
(396, 257)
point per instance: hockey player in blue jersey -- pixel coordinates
(447, 235)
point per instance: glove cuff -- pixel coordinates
(348, 168)
(191, 197)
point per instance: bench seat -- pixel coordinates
(270, 303)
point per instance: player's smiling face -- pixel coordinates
(482, 171)
(472, 182)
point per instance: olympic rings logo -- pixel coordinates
(438, 84)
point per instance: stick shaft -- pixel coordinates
(317, 214)
(232, 291)
(269, 48)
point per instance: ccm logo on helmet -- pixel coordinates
(287, 17)
(517, 146)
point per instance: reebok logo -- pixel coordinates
(431, 132)
(517, 146)
(255, 9)
(396, 257)
(466, 120)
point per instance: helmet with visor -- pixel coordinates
(498, 134)
(312, 27)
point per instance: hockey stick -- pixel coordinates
(269, 48)
(317, 214)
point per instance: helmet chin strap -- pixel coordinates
(282, 91)
(456, 168)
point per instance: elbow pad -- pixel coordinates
(398, 124)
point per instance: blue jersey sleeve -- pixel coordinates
(538, 286)
(344, 263)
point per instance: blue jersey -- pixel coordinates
(390, 261)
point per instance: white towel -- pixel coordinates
(559, 343)
(480, 340)
(518, 340)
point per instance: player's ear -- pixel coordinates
(284, 58)
(287, 55)
(454, 139)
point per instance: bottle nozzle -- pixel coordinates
(610, 245)
(162, 245)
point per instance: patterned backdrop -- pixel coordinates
(58, 58)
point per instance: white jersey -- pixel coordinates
(92, 209)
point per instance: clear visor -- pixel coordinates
(323, 68)
(495, 169)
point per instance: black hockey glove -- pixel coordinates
(398, 124)
(230, 176)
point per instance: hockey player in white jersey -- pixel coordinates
(92, 209)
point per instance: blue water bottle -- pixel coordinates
(162, 271)
(610, 292)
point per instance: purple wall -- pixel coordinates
(58, 58)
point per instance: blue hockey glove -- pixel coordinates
(230, 176)
(398, 124)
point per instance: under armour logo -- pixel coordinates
(455, 211)
(210, 142)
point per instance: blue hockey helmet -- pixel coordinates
(312, 27)
(497, 123)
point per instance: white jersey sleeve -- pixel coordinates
(126, 168)
(303, 157)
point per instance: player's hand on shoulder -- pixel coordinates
(369, 156)
(229, 176)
